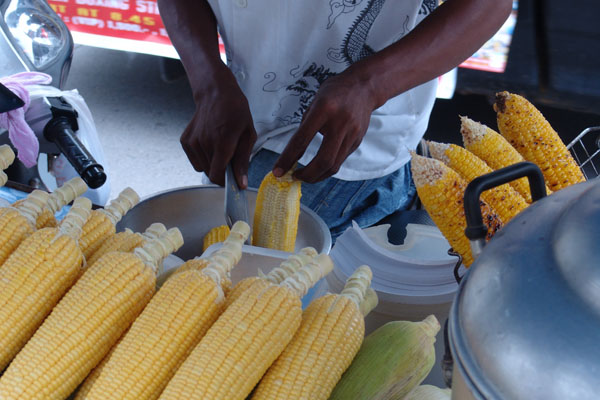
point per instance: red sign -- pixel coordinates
(126, 19)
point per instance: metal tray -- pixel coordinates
(197, 209)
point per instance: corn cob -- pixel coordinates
(276, 275)
(329, 337)
(246, 339)
(504, 199)
(86, 323)
(101, 224)
(491, 147)
(17, 223)
(391, 362)
(34, 278)
(57, 200)
(7, 157)
(369, 303)
(168, 329)
(527, 130)
(277, 212)
(127, 241)
(216, 235)
(441, 189)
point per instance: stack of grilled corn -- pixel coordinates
(524, 135)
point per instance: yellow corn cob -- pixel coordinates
(246, 339)
(216, 235)
(504, 199)
(441, 189)
(17, 223)
(329, 337)
(276, 275)
(277, 212)
(34, 278)
(86, 323)
(168, 329)
(127, 241)
(101, 224)
(527, 130)
(7, 157)
(57, 200)
(491, 147)
(369, 303)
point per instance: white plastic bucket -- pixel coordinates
(412, 280)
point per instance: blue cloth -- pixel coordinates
(340, 202)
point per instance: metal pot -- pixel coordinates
(525, 323)
(197, 209)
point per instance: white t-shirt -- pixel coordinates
(280, 51)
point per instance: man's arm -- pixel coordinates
(342, 107)
(212, 139)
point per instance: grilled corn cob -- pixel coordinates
(527, 130)
(491, 147)
(329, 337)
(7, 157)
(167, 330)
(391, 362)
(441, 190)
(277, 212)
(246, 339)
(216, 235)
(504, 199)
(34, 278)
(127, 241)
(18, 222)
(276, 275)
(86, 323)
(101, 224)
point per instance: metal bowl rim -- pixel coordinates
(305, 209)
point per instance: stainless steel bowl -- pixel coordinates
(197, 209)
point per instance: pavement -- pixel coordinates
(139, 117)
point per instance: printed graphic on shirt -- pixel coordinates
(339, 7)
(428, 6)
(300, 93)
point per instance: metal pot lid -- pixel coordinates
(526, 321)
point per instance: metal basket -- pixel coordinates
(585, 149)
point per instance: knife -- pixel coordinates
(236, 205)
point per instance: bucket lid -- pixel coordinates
(419, 271)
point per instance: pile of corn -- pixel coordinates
(81, 316)
(524, 135)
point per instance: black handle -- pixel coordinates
(476, 229)
(59, 131)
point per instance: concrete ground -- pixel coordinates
(139, 118)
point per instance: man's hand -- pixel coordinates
(340, 111)
(220, 132)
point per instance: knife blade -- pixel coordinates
(236, 205)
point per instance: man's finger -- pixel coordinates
(323, 163)
(299, 142)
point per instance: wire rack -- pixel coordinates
(585, 148)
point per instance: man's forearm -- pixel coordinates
(192, 28)
(452, 33)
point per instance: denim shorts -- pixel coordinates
(340, 202)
